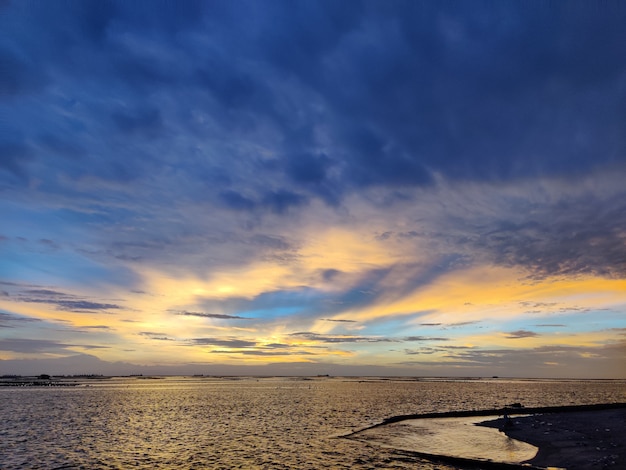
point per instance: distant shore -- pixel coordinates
(572, 439)
(45, 380)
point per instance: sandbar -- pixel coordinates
(574, 440)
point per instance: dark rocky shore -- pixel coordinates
(575, 440)
(576, 437)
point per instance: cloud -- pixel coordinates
(156, 336)
(425, 338)
(30, 346)
(308, 336)
(310, 167)
(19, 75)
(15, 156)
(421, 121)
(462, 323)
(8, 320)
(144, 122)
(521, 334)
(209, 315)
(445, 326)
(236, 201)
(281, 201)
(573, 359)
(575, 236)
(420, 351)
(61, 300)
(254, 352)
(249, 348)
(222, 342)
(79, 306)
(62, 146)
(542, 360)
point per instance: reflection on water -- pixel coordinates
(277, 423)
(459, 437)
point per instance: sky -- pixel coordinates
(420, 188)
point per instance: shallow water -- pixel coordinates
(194, 423)
(459, 437)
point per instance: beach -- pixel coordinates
(572, 437)
(575, 440)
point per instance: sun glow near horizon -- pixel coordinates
(203, 193)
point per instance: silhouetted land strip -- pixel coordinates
(581, 437)
(508, 410)
(30, 382)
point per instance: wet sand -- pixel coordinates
(575, 440)
(572, 437)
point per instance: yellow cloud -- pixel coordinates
(346, 251)
(495, 293)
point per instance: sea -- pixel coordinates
(249, 422)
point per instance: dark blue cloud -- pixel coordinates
(232, 88)
(236, 201)
(462, 95)
(14, 157)
(572, 237)
(277, 202)
(307, 168)
(146, 122)
(124, 110)
(281, 201)
(296, 37)
(61, 146)
(350, 94)
(18, 75)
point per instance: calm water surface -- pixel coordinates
(268, 423)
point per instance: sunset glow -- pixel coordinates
(313, 188)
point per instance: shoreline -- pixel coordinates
(508, 410)
(580, 437)
(571, 439)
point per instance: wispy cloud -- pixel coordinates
(209, 315)
(61, 300)
(156, 336)
(319, 338)
(222, 342)
(210, 183)
(8, 320)
(521, 334)
(26, 345)
(425, 338)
